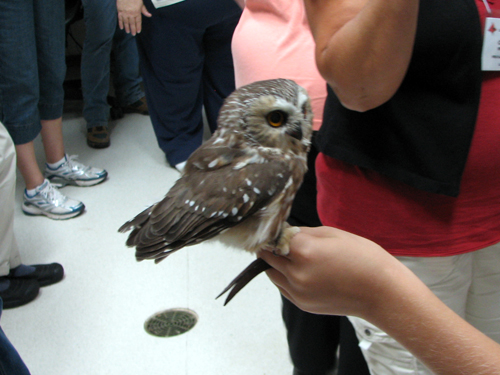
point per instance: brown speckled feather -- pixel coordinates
(240, 184)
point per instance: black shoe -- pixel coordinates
(45, 274)
(19, 293)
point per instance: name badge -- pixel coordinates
(164, 3)
(491, 44)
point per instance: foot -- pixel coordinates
(17, 292)
(44, 274)
(49, 201)
(282, 244)
(72, 172)
(98, 137)
(140, 106)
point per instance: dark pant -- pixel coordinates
(186, 64)
(351, 360)
(10, 361)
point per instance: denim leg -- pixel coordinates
(100, 24)
(125, 68)
(10, 361)
(50, 41)
(19, 90)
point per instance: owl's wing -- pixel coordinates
(215, 194)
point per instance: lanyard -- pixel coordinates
(487, 6)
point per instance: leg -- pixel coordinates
(125, 69)
(312, 340)
(13, 292)
(484, 296)
(9, 253)
(28, 165)
(49, 31)
(50, 41)
(218, 71)
(351, 360)
(100, 23)
(52, 139)
(449, 278)
(11, 362)
(19, 89)
(172, 77)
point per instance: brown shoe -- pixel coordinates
(140, 106)
(98, 137)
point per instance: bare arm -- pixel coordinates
(129, 15)
(329, 271)
(363, 47)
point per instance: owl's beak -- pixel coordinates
(295, 131)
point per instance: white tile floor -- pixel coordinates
(92, 322)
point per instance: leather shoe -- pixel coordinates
(19, 293)
(44, 274)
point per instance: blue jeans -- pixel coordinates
(10, 361)
(102, 36)
(32, 65)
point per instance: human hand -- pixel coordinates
(329, 271)
(129, 15)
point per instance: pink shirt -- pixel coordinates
(273, 40)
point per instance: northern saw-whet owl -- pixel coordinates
(240, 184)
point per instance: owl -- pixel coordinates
(237, 187)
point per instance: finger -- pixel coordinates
(281, 283)
(126, 25)
(277, 262)
(120, 23)
(133, 27)
(138, 24)
(278, 279)
(144, 11)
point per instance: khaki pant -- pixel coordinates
(9, 253)
(468, 284)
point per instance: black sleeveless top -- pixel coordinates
(422, 135)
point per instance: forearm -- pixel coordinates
(363, 47)
(446, 343)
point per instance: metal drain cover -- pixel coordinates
(171, 322)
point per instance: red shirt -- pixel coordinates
(410, 222)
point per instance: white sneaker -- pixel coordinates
(50, 202)
(72, 172)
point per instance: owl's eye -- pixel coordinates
(276, 118)
(304, 111)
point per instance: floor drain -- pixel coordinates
(171, 322)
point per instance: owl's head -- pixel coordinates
(274, 113)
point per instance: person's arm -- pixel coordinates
(329, 271)
(363, 47)
(130, 15)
